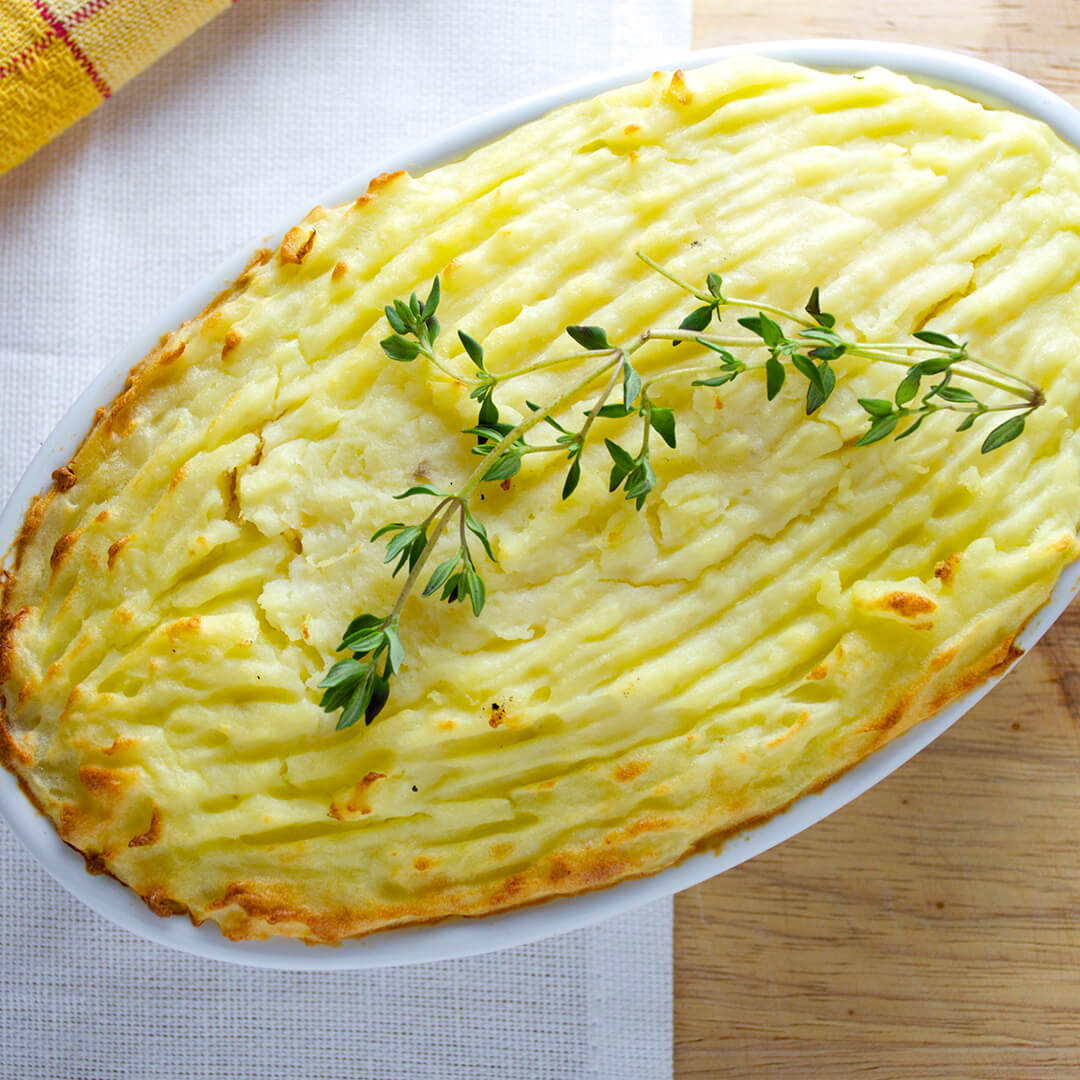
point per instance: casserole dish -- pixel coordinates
(494, 931)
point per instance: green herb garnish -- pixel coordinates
(360, 685)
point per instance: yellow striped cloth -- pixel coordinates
(61, 58)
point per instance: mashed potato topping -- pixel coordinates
(638, 682)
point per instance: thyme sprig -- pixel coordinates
(933, 362)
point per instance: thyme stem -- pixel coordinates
(529, 423)
(418, 567)
(359, 685)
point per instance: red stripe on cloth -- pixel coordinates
(88, 11)
(20, 59)
(84, 61)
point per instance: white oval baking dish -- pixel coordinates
(462, 937)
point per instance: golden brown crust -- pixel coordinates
(160, 904)
(678, 90)
(376, 185)
(103, 783)
(630, 770)
(232, 341)
(152, 833)
(259, 258)
(62, 548)
(9, 621)
(30, 526)
(119, 745)
(115, 548)
(995, 664)
(909, 605)
(945, 570)
(357, 802)
(296, 245)
(169, 355)
(11, 753)
(64, 478)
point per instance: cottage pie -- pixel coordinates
(639, 683)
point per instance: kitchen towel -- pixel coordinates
(245, 123)
(61, 58)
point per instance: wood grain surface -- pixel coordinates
(932, 928)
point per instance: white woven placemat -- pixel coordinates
(273, 104)
(81, 999)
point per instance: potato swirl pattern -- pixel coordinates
(639, 683)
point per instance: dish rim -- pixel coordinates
(466, 936)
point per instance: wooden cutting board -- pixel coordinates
(932, 928)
